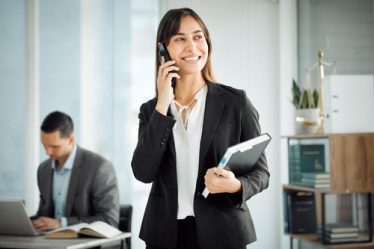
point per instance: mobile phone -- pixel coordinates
(163, 52)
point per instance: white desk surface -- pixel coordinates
(10, 241)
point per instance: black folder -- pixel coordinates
(240, 158)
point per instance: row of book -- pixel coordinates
(308, 165)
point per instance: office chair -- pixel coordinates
(125, 217)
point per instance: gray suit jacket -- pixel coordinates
(92, 193)
(223, 220)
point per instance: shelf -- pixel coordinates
(325, 135)
(350, 160)
(350, 163)
(292, 188)
(312, 239)
(305, 136)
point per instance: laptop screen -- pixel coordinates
(14, 219)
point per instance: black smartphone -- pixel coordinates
(163, 52)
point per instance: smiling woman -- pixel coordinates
(179, 132)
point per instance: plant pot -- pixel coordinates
(307, 121)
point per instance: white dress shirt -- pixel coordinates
(187, 138)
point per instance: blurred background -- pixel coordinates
(94, 59)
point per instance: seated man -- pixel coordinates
(76, 185)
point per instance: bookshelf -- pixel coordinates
(349, 160)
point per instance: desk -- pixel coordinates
(39, 242)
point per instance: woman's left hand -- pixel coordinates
(219, 180)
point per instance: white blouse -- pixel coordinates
(187, 146)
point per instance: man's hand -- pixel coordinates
(219, 180)
(46, 223)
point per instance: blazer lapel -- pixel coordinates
(74, 179)
(48, 189)
(171, 139)
(213, 110)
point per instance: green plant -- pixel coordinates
(304, 98)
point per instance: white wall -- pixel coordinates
(13, 82)
(287, 71)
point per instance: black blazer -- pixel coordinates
(223, 220)
(92, 194)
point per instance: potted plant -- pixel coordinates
(307, 113)
(304, 98)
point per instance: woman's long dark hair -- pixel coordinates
(170, 25)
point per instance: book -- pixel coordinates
(301, 212)
(286, 216)
(341, 228)
(315, 181)
(240, 158)
(339, 240)
(342, 235)
(315, 176)
(97, 229)
(317, 185)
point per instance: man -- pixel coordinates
(75, 185)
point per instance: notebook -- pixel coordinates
(14, 219)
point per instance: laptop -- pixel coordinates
(14, 219)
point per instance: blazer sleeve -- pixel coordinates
(44, 178)
(258, 178)
(155, 130)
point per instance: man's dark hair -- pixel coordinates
(58, 121)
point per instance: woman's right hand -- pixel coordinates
(164, 88)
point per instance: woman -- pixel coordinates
(183, 133)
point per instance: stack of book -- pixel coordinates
(337, 232)
(316, 180)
